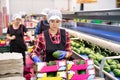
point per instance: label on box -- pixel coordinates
(40, 65)
(62, 63)
(90, 66)
(90, 62)
(70, 62)
(71, 72)
(62, 74)
(40, 75)
(91, 71)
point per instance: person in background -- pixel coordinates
(42, 24)
(15, 33)
(52, 40)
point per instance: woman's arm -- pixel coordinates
(68, 46)
(10, 37)
(40, 45)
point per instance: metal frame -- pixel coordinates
(113, 14)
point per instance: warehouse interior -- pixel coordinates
(88, 47)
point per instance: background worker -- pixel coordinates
(52, 40)
(42, 24)
(15, 33)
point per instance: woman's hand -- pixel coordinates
(12, 37)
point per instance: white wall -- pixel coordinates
(99, 5)
(61, 4)
(30, 6)
(35, 6)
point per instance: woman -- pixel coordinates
(52, 40)
(43, 24)
(15, 34)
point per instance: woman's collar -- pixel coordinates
(58, 32)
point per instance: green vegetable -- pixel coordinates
(78, 62)
(118, 66)
(109, 61)
(96, 62)
(56, 54)
(82, 50)
(104, 54)
(87, 50)
(99, 57)
(81, 71)
(92, 56)
(78, 51)
(113, 67)
(73, 43)
(107, 68)
(116, 72)
(113, 62)
(77, 45)
(51, 63)
(51, 74)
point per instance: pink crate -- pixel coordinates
(42, 67)
(74, 66)
(2, 44)
(76, 76)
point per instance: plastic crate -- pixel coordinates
(55, 75)
(88, 75)
(71, 65)
(43, 67)
(50, 78)
(4, 49)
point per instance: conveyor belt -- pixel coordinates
(101, 41)
(115, 37)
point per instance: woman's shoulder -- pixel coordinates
(10, 26)
(22, 25)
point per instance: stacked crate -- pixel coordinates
(81, 70)
(11, 66)
(53, 70)
(66, 70)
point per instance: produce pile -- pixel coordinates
(97, 53)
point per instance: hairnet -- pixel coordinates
(45, 11)
(55, 14)
(15, 16)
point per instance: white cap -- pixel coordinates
(45, 11)
(55, 14)
(16, 16)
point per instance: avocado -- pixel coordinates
(81, 71)
(51, 74)
(78, 62)
(113, 67)
(107, 68)
(96, 62)
(51, 63)
(92, 56)
(77, 45)
(116, 72)
(56, 54)
(109, 61)
(118, 66)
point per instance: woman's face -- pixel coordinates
(17, 21)
(27, 18)
(54, 24)
(44, 17)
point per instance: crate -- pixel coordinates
(4, 49)
(88, 75)
(72, 65)
(50, 78)
(55, 76)
(43, 67)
